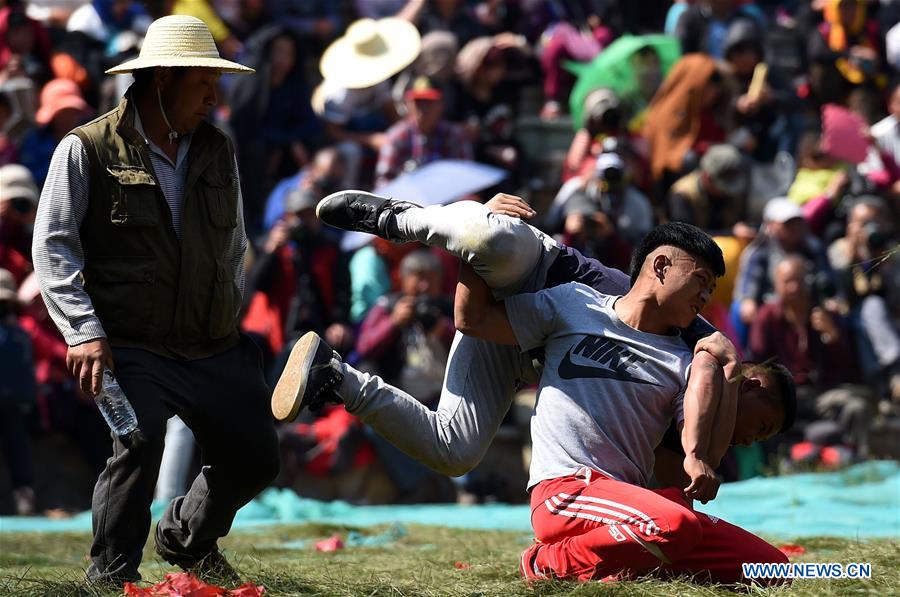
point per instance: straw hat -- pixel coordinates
(179, 40)
(438, 55)
(370, 52)
(317, 100)
(472, 56)
(59, 95)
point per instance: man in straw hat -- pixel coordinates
(354, 100)
(138, 246)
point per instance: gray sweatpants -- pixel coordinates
(481, 377)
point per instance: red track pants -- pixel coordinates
(590, 527)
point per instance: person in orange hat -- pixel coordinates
(422, 136)
(62, 109)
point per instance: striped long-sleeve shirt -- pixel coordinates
(56, 248)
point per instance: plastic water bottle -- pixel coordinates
(115, 407)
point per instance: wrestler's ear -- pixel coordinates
(661, 263)
(750, 383)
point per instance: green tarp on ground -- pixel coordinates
(861, 501)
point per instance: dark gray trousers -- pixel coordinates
(225, 401)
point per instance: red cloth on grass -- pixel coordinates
(184, 584)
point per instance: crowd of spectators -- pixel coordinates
(772, 125)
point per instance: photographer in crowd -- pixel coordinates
(602, 120)
(869, 276)
(301, 281)
(406, 339)
(603, 215)
(784, 232)
(406, 336)
(807, 337)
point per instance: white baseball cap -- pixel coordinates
(781, 209)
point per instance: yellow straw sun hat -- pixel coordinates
(370, 52)
(179, 40)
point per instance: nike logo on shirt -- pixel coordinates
(614, 358)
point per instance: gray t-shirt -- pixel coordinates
(607, 392)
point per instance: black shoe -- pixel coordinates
(106, 581)
(212, 568)
(310, 378)
(215, 569)
(359, 211)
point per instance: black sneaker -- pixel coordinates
(212, 568)
(111, 582)
(359, 211)
(310, 378)
(215, 569)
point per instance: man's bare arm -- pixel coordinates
(477, 313)
(700, 404)
(720, 347)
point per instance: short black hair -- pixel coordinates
(684, 236)
(143, 77)
(787, 388)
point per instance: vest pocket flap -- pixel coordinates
(121, 270)
(217, 177)
(128, 175)
(222, 205)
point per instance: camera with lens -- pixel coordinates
(427, 311)
(822, 287)
(877, 240)
(604, 118)
(614, 177)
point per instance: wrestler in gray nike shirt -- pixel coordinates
(608, 392)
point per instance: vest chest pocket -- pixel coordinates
(134, 200)
(220, 195)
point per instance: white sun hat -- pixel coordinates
(370, 52)
(781, 210)
(179, 40)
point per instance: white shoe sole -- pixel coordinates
(288, 395)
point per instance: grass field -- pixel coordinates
(426, 561)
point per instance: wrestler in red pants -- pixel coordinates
(590, 527)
